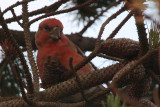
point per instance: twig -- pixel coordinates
(29, 46)
(47, 9)
(14, 15)
(110, 57)
(143, 41)
(62, 11)
(120, 26)
(106, 22)
(77, 79)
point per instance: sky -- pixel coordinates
(128, 30)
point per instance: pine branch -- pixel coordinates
(25, 18)
(70, 86)
(143, 41)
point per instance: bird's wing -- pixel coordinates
(79, 51)
(53, 73)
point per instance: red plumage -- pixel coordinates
(61, 50)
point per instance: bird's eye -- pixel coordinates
(47, 28)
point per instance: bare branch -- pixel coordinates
(14, 15)
(106, 22)
(120, 26)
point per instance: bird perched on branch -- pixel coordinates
(54, 53)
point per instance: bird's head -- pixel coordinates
(50, 30)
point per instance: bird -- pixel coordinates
(54, 53)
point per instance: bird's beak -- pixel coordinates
(55, 33)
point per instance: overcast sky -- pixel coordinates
(128, 30)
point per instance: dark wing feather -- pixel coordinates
(79, 51)
(53, 73)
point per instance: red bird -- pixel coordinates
(54, 53)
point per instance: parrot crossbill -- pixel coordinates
(54, 53)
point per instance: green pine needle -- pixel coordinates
(113, 101)
(154, 36)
